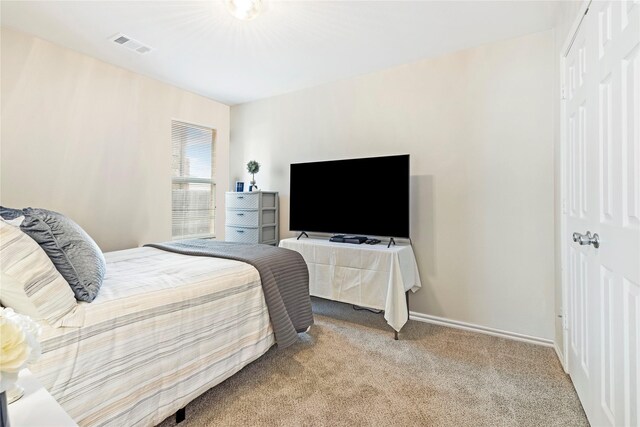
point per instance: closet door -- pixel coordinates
(581, 180)
(603, 189)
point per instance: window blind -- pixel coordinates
(193, 186)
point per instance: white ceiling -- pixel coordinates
(200, 47)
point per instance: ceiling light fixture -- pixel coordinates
(245, 10)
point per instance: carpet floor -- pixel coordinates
(348, 371)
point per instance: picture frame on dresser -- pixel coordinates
(239, 186)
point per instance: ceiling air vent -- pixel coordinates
(131, 44)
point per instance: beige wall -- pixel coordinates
(479, 126)
(93, 141)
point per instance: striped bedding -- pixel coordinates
(283, 273)
(164, 329)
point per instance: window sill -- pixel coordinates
(196, 236)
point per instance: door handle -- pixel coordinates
(587, 239)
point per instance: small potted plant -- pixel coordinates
(253, 168)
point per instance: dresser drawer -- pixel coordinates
(243, 218)
(241, 234)
(242, 200)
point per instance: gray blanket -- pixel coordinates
(284, 276)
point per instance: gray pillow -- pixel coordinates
(10, 213)
(76, 256)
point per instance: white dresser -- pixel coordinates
(252, 217)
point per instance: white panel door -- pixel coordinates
(581, 212)
(602, 183)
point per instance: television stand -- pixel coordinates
(367, 276)
(302, 234)
(391, 240)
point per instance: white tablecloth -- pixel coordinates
(366, 275)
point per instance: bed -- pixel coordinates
(164, 328)
(130, 337)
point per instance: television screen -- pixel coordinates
(368, 196)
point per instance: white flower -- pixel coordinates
(19, 345)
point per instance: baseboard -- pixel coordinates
(560, 357)
(420, 317)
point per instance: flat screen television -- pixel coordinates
(367, 196)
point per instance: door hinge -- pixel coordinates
(563, 92)
(565, 321)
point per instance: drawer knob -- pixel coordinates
(240, 214)
(240, 231)
(240, 197)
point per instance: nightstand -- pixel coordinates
(36, 407)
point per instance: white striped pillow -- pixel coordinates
(30, 283)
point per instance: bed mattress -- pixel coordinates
(164, 329)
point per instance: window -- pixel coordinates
(193, 187)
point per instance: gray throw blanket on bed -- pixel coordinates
(284, 276)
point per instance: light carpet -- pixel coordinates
(349, 371)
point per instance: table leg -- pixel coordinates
(407, 296)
